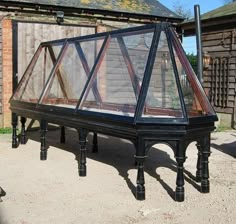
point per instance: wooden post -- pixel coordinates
(43, 149)
(205, 145)
(180, 159)
(82, 160)
(95, 142)
(63, 137)
(140, 158)
(23, 132)
(14, 130)
(199, 163)
(234, 113)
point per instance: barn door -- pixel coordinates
(28, 35)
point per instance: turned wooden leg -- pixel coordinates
(63, 137)
(140, 158)
(23, 132)
(205, 145)
(180, 159)
(14, 130)
(199, 163)
(95, 143)
(140, 189)
(82, 159)
(43, 149)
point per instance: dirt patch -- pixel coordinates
(52, 192)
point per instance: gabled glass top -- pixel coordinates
(141, 73)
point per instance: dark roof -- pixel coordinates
(138, 9)
(226, 10)
(222, 17)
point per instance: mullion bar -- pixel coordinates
(128, 62)
(87, 71)
(223, 81)
(221, 71)
(114, 33)
(52, 74)
(62, 85)
(212, 81)
(227, 82)
(94, 71)
(44, 66)
(80, 38)
(148, 72)
(176, 73)
(217, 73)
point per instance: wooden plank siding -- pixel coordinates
(30, 35)
(26, 37)
(220, 76)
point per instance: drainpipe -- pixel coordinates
(199, 42)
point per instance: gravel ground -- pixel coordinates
(52, 192)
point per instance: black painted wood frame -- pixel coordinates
(143, 134)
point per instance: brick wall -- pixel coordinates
(6, 70)
(1, 116)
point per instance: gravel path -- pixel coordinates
(52, 192)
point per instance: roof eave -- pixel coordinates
(209, 24)
(84, 12)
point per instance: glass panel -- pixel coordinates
(90, 50)
(196, 101)
(192, 104)
(56, 48)
(119, 76)
(34, 79)
(162, 97)
(138, 49)
(70, 78)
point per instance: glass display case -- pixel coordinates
(133, 83)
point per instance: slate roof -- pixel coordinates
(226, 10)
(223, 17)
(140, 9)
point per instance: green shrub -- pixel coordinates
(5, 130)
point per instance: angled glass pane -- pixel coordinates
(69, 79)
(195, 99)
(90, 50)
(162, 98)
(119, 75)
(192, 104)
(138, 47)
(36, 75)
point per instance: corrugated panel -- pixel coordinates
(135, 7)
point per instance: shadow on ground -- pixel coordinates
(2, 194)
(119, 154)
(228, 148)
